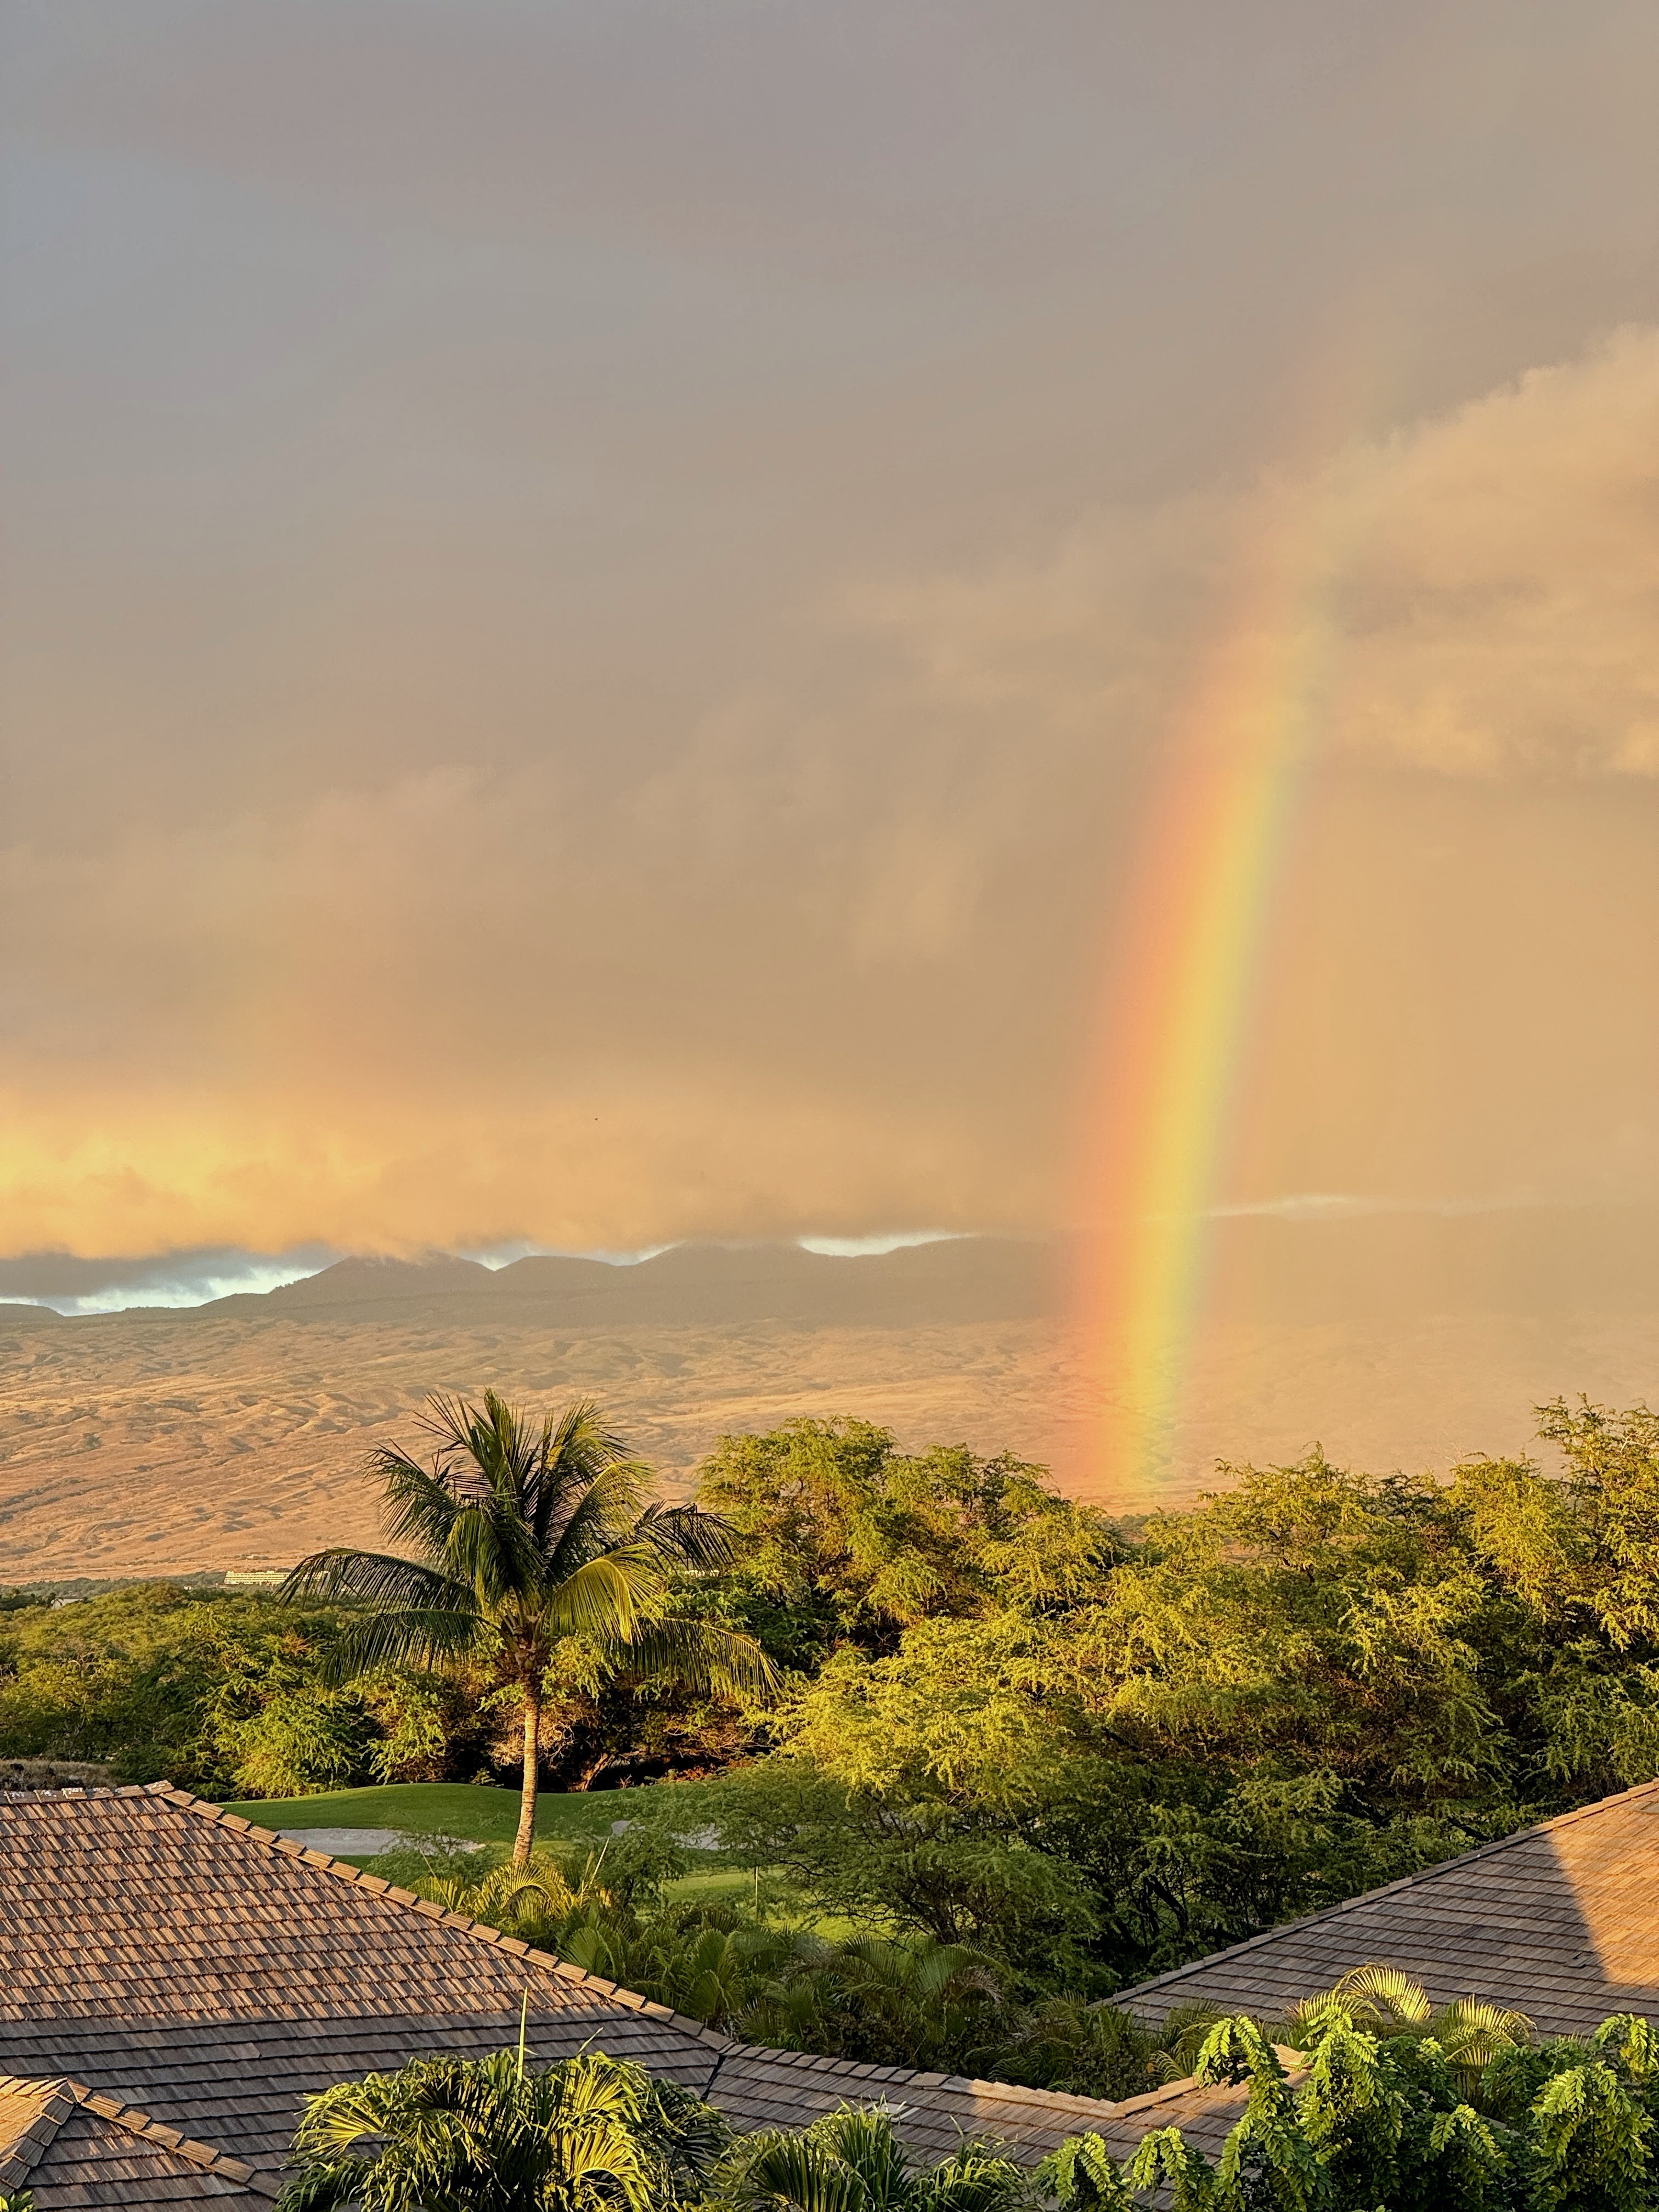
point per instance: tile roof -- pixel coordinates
(70, 2147)
(209, 1975)
(1559, 1921)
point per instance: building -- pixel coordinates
(1560, 1922)
(174, 1981)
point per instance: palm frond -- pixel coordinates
(336, 2119)
(465, 1435)
(448, 2131)
(791, 2171)
(493, 1550)
(588, 1503)
(1389, 1988)
(608, 1597)
(325, 2185)
(706, 1657)
(377, 1578)
(1472, 2032)
(482, 1452)
(975, 2181)
(685, 1535)
(1479, 2017)
(417, 1637)
(418, 1503)
(862, 2137)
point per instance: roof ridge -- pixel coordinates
(76, 1790)
(1388, 1888)
(61, 2096)
(57, 2100)
(918, 2077)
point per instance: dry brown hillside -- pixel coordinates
(231, 1436)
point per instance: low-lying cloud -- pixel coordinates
(71, 1284)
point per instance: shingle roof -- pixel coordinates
(72, 2147)
(1560, 1921)
(209, 1975)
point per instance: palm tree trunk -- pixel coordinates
(533, 1747)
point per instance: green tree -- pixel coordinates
(852, 2160)
(220, 1693)
(591, 2134)
(853, 1540)
(1583, 1549)
(534, 1540)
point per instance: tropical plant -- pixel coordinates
(537, 1543)
(591, 2134)
(1369, 2120)
(852, 2161)
(1100, 2050)
(1470, 2031)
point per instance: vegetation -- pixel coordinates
(852, 2160)
(223, 1694)
(1370, 2108)
(539, 1555)
(1021, 1757)
(1090, 1758)
(621, 1908)
(493, 2135)
(1380, 2118)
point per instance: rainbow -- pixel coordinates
(1179, 1005)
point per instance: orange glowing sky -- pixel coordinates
(597, 598)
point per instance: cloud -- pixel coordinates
(1499, 611)
(1484, 587)
(817, 948)
(71, 1285)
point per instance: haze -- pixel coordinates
(594, 596)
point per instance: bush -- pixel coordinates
(1384, 2121)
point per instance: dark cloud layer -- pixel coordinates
(71, 1283)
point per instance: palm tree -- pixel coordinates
(528, 1536)
(591, 2134)
(851, 2160)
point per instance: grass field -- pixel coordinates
(467, 1810)
(476, 1814)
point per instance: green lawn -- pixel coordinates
(480, 1816)
(465, 1809)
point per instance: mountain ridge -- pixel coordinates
(952, 1279)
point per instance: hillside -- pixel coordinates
(231, 1435)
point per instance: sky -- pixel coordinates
(596, 602)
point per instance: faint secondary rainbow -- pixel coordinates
(1176, 1030)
